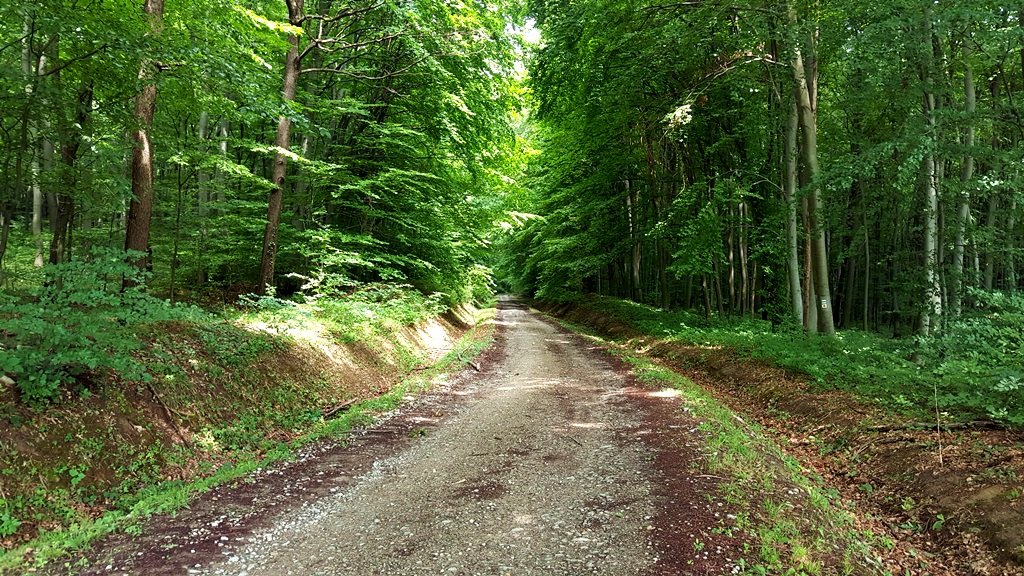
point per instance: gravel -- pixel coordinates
(532, 476)
(548, 459)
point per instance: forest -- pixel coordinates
(778, 167)
(774, 161)
(829, 186)
(193, 152)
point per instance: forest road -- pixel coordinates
(552, 461)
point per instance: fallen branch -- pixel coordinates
(580, 444)
(334, 412)
(169, 413)
(975, 425)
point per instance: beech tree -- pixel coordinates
(140, 211)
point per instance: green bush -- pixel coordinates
(373, 308)
(400, 304)
(79, 322)
(980, 357)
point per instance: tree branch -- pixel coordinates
(75, 59)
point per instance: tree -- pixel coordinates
(697, 99)
(292, 62)
(140, 212)
(807, 113)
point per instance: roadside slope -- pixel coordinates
(226, 396)
(950, 503)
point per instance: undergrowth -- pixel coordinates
(974, 368)
(368, 311)
(113, 401)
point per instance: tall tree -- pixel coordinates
(963, 212)
(140, 211)
(282, 143)
(806, 87)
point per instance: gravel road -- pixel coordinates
(550, 462)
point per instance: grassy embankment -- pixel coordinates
(119, 407)
(973, 370)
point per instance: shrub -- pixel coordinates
(79, 322)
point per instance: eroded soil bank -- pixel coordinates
(951, 502)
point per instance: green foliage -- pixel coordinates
(400, 151)
(662, 176)
(376, 306)
(8, 523)
(80, 324)
(979, 358)
(975, 367)
(481, 285)
(237, 441)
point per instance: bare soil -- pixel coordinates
(550, 460)
(952, 501)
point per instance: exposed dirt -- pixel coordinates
(550, 460)
(951, 502)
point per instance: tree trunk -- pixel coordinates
(744, 264)
(819, 255)
(990, 252)
(731, 258)
(1011, 258)
(283, 143)
(789, 188)
(810, 309)
(32, 69)
(37, 217)
(933, 289)
(222, 144)
(140, 211)
(300, 202)
(22, 181)
(70, 137)
(6, 217)
(203, 200)
(867, 275)
(963, 212)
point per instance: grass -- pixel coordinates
(763, 484)
(373, 310)
(972, 370)
(762, 478)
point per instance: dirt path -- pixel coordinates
(550, 462)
